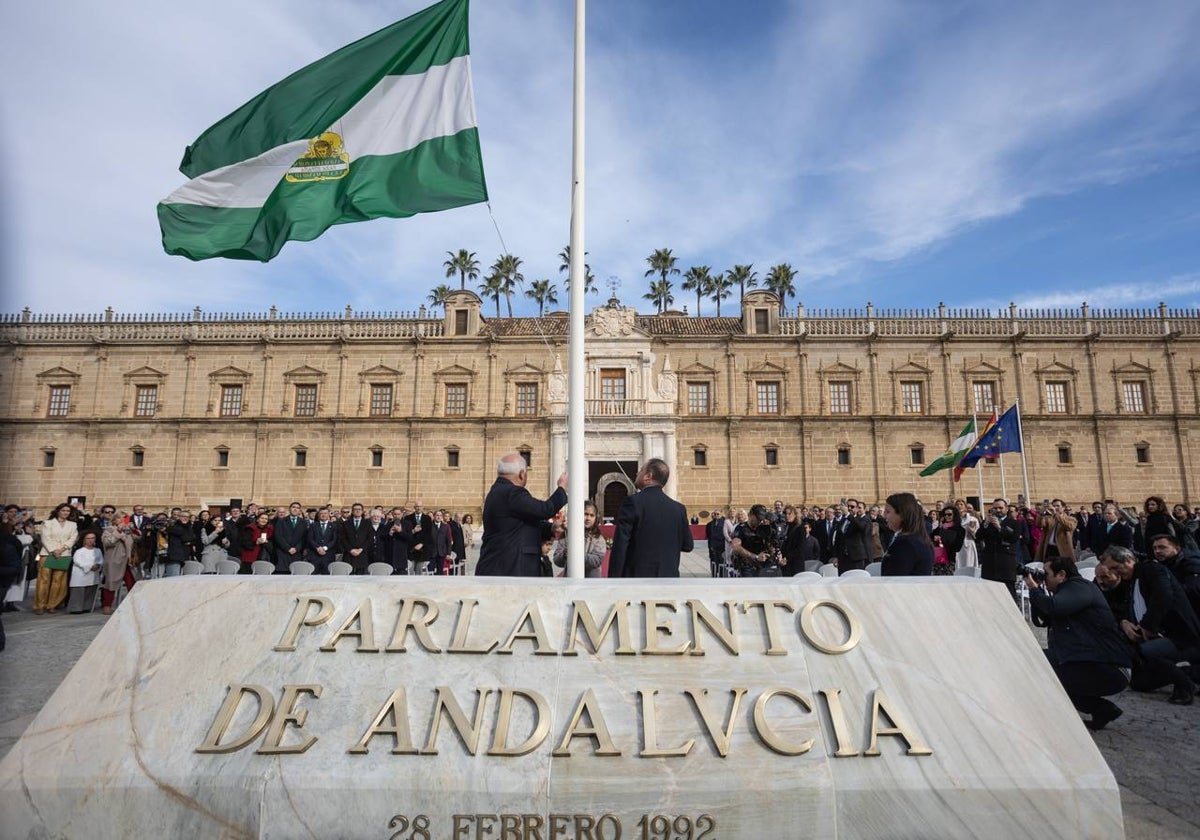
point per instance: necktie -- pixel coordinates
(356, 521)
(293, 522)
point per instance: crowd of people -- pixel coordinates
(1135, 625)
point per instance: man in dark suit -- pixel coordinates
(418, 525)
(1111, 531)
(395, 545)
(1161, 624)
(289, 537)
(354, 539)
(1093, 527)
(827, 534)
(321, 542)
(513, 522)
(855, 532)
(440, 546)
(999, 539)
(652, 528)
(458, 545)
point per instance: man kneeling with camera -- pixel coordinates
(1085, 647)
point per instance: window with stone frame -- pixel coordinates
(381, 399)
(527, 399)
(231, 400)
(768, 397)
(145, 401)
(699, 398)
(456, 399)
(772, 456)
(985, 396)
(1141, 453)
(699, 456)
(839, 397)
(1134, 396)
(376, 457)
(60, 401)
(137, 457)
(912, 397)
(1056, 397)
(843, 455)
(306, 400)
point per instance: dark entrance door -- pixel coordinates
(615, 493)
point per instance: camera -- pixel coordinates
(1036, 572)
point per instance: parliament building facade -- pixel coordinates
(202, 409)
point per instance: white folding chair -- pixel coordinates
(875, 569)
(192, 567)
(339, 568)
(1088, 573)
(967, 571)
(302, 567)
(262, 567)
(854, 573)
(228, 567)
(379, 569)
(808, 577)
(812, 566)
(1089, 563)
(828, 570)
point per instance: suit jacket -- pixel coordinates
(395, 546)
(1168, 610)
(458, 543)
(828, 535)
(288, 536)
(652, 531)
(513, 522)
(418, 535)
(999, 548)
(856, 530)
(1119, 534)
(350, 537)
(321, 535)
(441, 542)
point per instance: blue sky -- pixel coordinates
(904, 153)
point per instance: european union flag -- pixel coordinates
(1003, 436)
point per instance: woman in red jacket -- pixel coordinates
(255, 537)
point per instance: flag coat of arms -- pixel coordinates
(384, 127)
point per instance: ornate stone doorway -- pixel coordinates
(611, 490)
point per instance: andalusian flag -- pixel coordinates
(384, 127)
(958, 448)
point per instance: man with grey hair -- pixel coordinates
(513, 521)
(652, 528)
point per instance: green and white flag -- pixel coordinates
(958, 448)
(384, 127)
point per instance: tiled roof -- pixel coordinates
(676, 325)
(550, 327)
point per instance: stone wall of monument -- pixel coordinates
(808, 407)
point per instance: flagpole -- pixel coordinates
(975, 421)
(1021, 437)
(577, 471)
(1003, 480)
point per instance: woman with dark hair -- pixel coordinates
(910, 552)
(1158, 519)
(59, 535)
(950, 536)
(799, 545)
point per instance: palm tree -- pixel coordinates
(543, 291)
(464, 265)
(745, 277)
(662, 263)
(493, 287)
(660, 294)
(508, 268)
(697, 278)
(438, 296)
(589, 279)
(779, 280)
(720, 287)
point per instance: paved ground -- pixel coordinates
(1153, 750)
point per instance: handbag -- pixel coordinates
(57, 563)
(940, 558)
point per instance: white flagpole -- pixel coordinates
(577, 470)
(979, 466)
(1003, 480)
(1021, 437)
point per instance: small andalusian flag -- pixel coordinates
(384, 127)
(958, 448)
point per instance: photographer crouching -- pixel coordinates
(755, 547)
(1085, 647)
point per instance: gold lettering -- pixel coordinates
(769, 736)
(533, 826)
(725, 634)
(300, 619)
(419, 624)
(580, 613)
(266, 707)
(654, 627)
(510, 826)
(468, 731)
(288, 715)
(541, 717)
(365, 633)
(462, 626)
(536, 634)
(881, 703)
(650, 747)
(808, 627)
(720, 732)
(395, 707)
(597, 730)
(461, 824)
(841, 726)
(775, 645)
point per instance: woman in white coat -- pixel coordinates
(85, 567)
